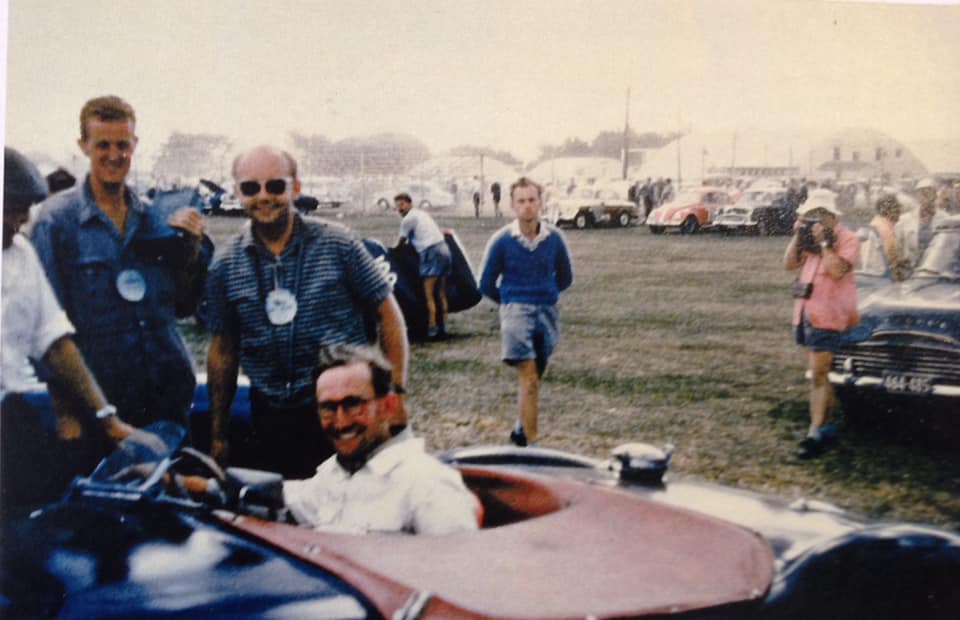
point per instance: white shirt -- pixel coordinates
(400, 489)
(907, 233)
(32, 318)
(420, 229)
(530, 244)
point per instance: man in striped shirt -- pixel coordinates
(280, 291)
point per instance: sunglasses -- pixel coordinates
(351, 405)
(273, 186)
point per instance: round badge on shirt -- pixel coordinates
(131, 285)
(281, 306)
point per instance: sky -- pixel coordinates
(509, 74)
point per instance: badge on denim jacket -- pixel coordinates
(131, 285)
(281, 306)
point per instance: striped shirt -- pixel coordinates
(336, 283)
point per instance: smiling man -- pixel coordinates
(376, 482)
(124, 273)
(278, 292)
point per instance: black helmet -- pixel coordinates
(21, 179)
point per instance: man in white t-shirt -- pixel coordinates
(38, 463)
(915, 229)
(419, 229)
(375, 482)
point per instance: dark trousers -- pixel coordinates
(285, 439)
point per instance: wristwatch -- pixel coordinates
(107, 411)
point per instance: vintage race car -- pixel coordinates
(563, 536)
(907, 354)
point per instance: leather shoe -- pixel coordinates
(811, 448)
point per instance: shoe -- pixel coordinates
(811, 448)
(518, 437)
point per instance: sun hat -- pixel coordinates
(819, 199)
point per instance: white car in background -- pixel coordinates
(594, 206)
(425, 194)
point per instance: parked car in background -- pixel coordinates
(425, 194)
(595, 206)
(595, 538)
(757, 212)
(907, 354)
(691, 211)
(330, 192)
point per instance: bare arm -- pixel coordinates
(393, 341)
(791, 257)
(74, 378)
(223, 366)
(836, 266)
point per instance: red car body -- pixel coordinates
(689, 212)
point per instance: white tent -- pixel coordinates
(699, 155)
(561, 169)
(464, 167)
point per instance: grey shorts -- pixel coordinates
(528, 332)
(435, 261)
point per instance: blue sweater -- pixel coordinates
(529, 272)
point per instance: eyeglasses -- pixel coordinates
(273, 186)
(351, 405)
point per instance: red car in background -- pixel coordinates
(689, 212)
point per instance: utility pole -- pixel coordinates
(679, 155)
(363, 185)
(733, 154)
(483, 186)
(626, 137)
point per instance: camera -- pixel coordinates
(805, 240)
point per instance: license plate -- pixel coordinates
(913, 384)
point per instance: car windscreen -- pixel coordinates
(148, 446)
(942, 257)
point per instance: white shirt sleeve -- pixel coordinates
(444, 505)
(51, 321)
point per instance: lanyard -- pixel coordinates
(291, 329)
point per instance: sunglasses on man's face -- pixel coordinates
(273, 186)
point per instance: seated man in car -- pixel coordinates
(375, 481)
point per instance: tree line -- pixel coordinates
(186, 155)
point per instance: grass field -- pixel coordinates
(672, 339)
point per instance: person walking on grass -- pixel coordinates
(526, 266)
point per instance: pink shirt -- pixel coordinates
(833, 304)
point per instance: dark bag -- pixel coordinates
(802, 290)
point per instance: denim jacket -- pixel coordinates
(133, 347)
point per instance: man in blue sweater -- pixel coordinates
(526, 266)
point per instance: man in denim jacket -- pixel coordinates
(123, 273)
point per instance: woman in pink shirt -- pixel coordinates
(825, 303)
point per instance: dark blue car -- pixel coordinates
(909, 356)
